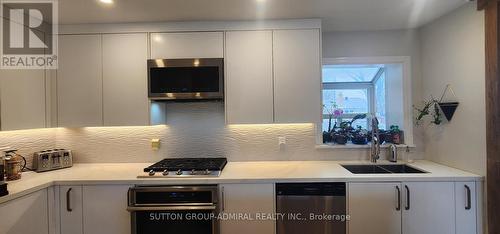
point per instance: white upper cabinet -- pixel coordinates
(187, 45)
(297, 76)
(249, 77)
(125, 97)
(22, 99)
(79, 81)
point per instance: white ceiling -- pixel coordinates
(337, 15)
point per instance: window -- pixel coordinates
(360, 87)
(348, 90)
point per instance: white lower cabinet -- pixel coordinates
(374, 208)
(411, 208)
(94, 209)
(249, 199)
(25, 215)
(105, 209)
(466, 207)
(71, 207)
(429, 207)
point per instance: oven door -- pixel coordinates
(185, 219)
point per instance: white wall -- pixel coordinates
(379, 44)
(453, 53)
(394, 94)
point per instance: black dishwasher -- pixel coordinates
(313, 208)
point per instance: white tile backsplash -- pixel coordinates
(192, 130)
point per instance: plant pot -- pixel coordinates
(340, 139)
(327, 137)
(448, 109)
(359, 140)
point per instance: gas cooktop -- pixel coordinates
(185, 167)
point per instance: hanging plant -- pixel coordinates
(429, 108)
(435, 108)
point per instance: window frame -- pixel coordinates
(368, 86)
(405, 61)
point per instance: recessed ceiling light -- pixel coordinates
(260, 1)
(106, 1)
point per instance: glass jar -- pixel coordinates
(13, 168)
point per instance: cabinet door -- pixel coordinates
(247, 199)
(22, 99)
(297, 76)
(187, 45)
(26, 215)
(105, 209)
(249, 80)
(71, 209)
(465, 196)
(429, 207)
(374, 208)
(79, 81)
(125, 97)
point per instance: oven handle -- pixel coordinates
(169, 208)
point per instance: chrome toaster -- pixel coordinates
(49, 160)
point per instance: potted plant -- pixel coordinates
(347, 132)
(333, 113)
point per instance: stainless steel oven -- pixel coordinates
(186, 79)
(174, 209)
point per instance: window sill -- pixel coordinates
(353, 146)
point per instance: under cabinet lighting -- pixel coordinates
(106, 1)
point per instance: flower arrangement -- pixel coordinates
(334, 112)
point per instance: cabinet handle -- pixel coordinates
(68, 200)
(468, 203)
(223, 198)
(407, 207)
(398, 194)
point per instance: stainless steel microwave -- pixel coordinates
(186, 79)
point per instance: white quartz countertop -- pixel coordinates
(234, 172)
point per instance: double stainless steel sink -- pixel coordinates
(382, 169)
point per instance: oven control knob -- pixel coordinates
(179, 172)
(165, 173)
(193, 172)
(151, 173)
(207, 172)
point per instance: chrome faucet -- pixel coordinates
(375, 142)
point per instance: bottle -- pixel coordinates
(12, 165)
(393, 157)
